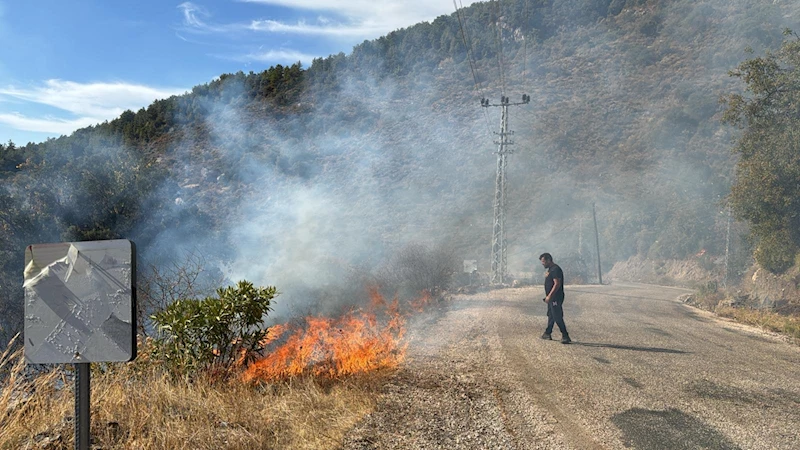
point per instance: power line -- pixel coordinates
(468, 45)
(498, 37)
(472, 53)
(525, 42)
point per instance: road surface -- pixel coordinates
(644, 371)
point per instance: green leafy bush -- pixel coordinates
(194, 334)
(776, 252)
(767, 189)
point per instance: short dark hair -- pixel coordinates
(546, 256)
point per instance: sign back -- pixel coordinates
(80, 302)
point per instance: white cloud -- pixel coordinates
(385, 11)
(194, 19)
(325, 29)
(46, 124)
(356, 18)
(190, 12)
(106, 100)
(91, 103)
(278, 56)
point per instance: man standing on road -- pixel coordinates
(554, 291)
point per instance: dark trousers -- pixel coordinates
(555, 315)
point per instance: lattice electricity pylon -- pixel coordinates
(499, 241)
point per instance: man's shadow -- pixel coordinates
(630, 347)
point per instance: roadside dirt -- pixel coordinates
(671, 272)
(645, 371)
(452, 395)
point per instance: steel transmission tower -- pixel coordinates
(499, 242)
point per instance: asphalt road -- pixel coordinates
(644, 371)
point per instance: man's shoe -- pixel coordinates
(566, 340)
(546, 336)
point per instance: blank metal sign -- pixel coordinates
(80, 302)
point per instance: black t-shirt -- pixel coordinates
(552, 273)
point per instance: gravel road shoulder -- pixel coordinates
(453, 393)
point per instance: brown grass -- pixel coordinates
(138, 406)
(789, 325)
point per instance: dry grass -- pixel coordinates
(714, 301)
(137, 406)
(789, 325)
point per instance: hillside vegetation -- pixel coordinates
(300, 177)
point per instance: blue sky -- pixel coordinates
(69, 64)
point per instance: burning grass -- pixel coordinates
(356, 343)
(317, 380)
(139, 406)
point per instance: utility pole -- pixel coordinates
(597, 244)
(727, 250)
(499, 242)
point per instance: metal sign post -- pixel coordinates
(83, 422)
(80, 308)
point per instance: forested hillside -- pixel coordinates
(298, 177)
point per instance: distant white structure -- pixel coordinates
(470, 265)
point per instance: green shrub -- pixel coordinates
(194, 334)
(707, 288)
(776, 252)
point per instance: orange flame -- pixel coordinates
(273, 333)
(421, 303)
(246, 355)
(357, 342)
